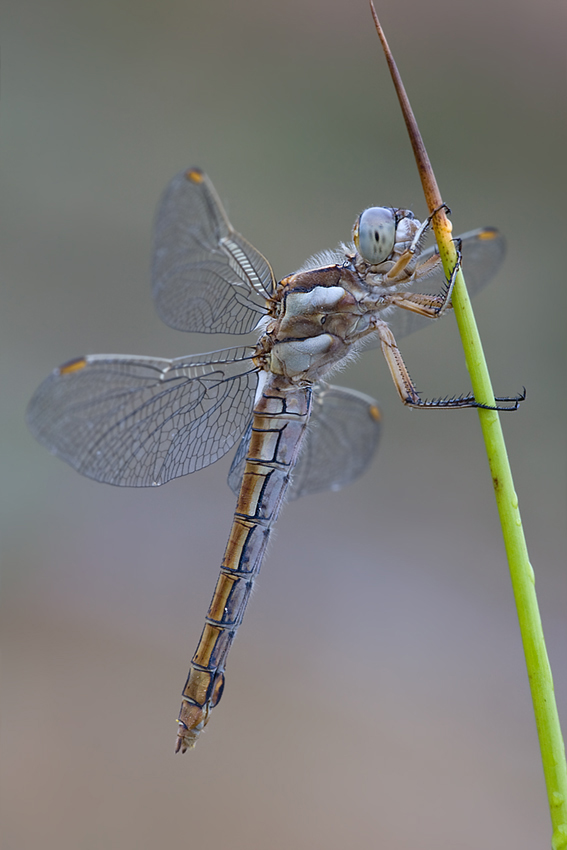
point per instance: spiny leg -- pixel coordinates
(450, 283)
(409, 253)
(408, 392)
(429, 305)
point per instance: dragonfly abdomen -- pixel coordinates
(279, 423)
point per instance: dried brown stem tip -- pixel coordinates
(428, 181)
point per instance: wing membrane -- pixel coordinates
(141, 421)
(343, 435)
(206, 277)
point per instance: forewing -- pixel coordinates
(343, 435)
(483, 252)
(206, 278)
(141, 421)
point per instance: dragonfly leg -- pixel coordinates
(417, 240)
(428, 305)
(420, 233)
(407, 389)
(450, 283)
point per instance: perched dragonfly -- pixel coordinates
(141, 421)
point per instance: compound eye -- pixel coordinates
(375, 234)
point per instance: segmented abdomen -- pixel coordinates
(280, 417)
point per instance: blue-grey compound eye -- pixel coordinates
(375, 234)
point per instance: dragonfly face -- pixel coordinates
(141, 421)
(376, 233)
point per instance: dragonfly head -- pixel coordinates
(374, 234)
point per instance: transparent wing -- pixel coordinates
(343, 435)
(206, 278)
(483, 252)
(141, 421)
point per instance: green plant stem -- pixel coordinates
(521, 572)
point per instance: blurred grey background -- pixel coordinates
(376, 695)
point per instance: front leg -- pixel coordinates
(406, 387)
(408, 255)
(430, 306)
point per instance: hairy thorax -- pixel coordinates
(318, 315)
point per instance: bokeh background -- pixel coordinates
(376, 694)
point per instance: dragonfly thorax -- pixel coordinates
(317, 317)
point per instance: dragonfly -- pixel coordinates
(142, 421)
